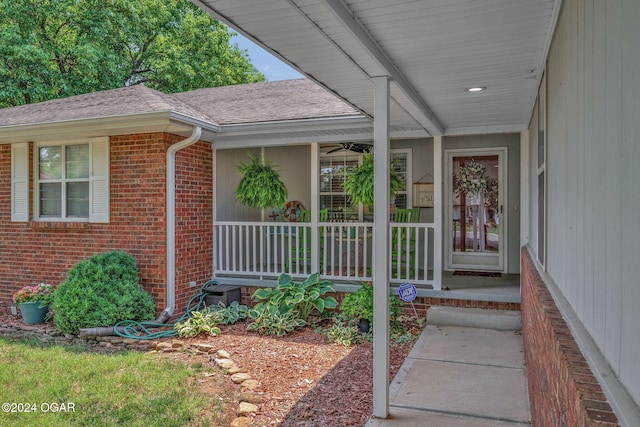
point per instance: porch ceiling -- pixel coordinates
(431, 49)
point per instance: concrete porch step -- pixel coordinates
(507, 320)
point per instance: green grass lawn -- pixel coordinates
(66, 387)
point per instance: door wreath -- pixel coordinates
(472, 178)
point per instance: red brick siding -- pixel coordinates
(562, 388)
(194, 220)
(44, 252)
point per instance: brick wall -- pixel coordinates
(36, 252)
(194, 221)
(562, 388)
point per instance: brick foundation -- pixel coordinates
(562, 388)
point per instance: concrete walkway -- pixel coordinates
(460, 376)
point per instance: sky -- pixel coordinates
(272, 68)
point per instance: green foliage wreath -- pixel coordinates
(471, 178)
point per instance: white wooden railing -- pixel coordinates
(344, 251)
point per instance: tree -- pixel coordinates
(57, 48)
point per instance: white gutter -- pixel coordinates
(171, 215)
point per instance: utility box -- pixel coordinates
(225, 294)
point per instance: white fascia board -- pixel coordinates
(482, 130)
(102, 126)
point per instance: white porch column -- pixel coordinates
(381, 248)
(524, 187)
(437, 212)
(315, 207)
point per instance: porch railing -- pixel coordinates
(344, 251)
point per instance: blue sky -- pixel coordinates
(272, 68)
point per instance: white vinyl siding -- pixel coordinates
(592, 174)
(20, 182)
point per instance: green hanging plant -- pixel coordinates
(358, 184)
(260, 186)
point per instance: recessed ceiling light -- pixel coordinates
(476, 89)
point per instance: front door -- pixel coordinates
(475, 216)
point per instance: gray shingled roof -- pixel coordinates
(269, 101)
(257, 102)
(108, 103)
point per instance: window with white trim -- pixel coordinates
(70, 181)
(333, 171)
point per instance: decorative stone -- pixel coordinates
(251, 397)
(250, 385)
(235, 369)
(246, 408)
(224, 354)
(241, 422)
(163, 345)
(206, 348)
(240, 377)
(225, 363)
(177, 344)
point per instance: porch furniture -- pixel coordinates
(403, 239)
(300, 252)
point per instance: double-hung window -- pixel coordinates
(63, 181)
(70, 181)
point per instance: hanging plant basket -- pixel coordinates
(260, 186)
(472, 178)
(358, 184)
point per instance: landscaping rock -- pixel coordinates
(251, 397)
(246, 408)
(240, 377)
(250, 385)
(224, 354)
(235, 369)
(225, 363)
(206, 348)
(241, 422)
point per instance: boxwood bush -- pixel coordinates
(101, 291)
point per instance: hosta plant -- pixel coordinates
(267, 320)
(231, 314)
(200, 322)
(301, 297)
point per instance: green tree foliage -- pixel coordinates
(57, 48)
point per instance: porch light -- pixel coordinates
(476, 89)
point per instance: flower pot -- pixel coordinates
(363, 325)
(32, 313)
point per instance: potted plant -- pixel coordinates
(34, 302)
(260, 186)
(358, 184)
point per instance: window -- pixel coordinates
(70, 181)
(333, 170)
(63, 181)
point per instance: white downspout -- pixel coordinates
(171, 215)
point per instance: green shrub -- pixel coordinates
(101, 291)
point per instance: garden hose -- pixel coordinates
(140, 330)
